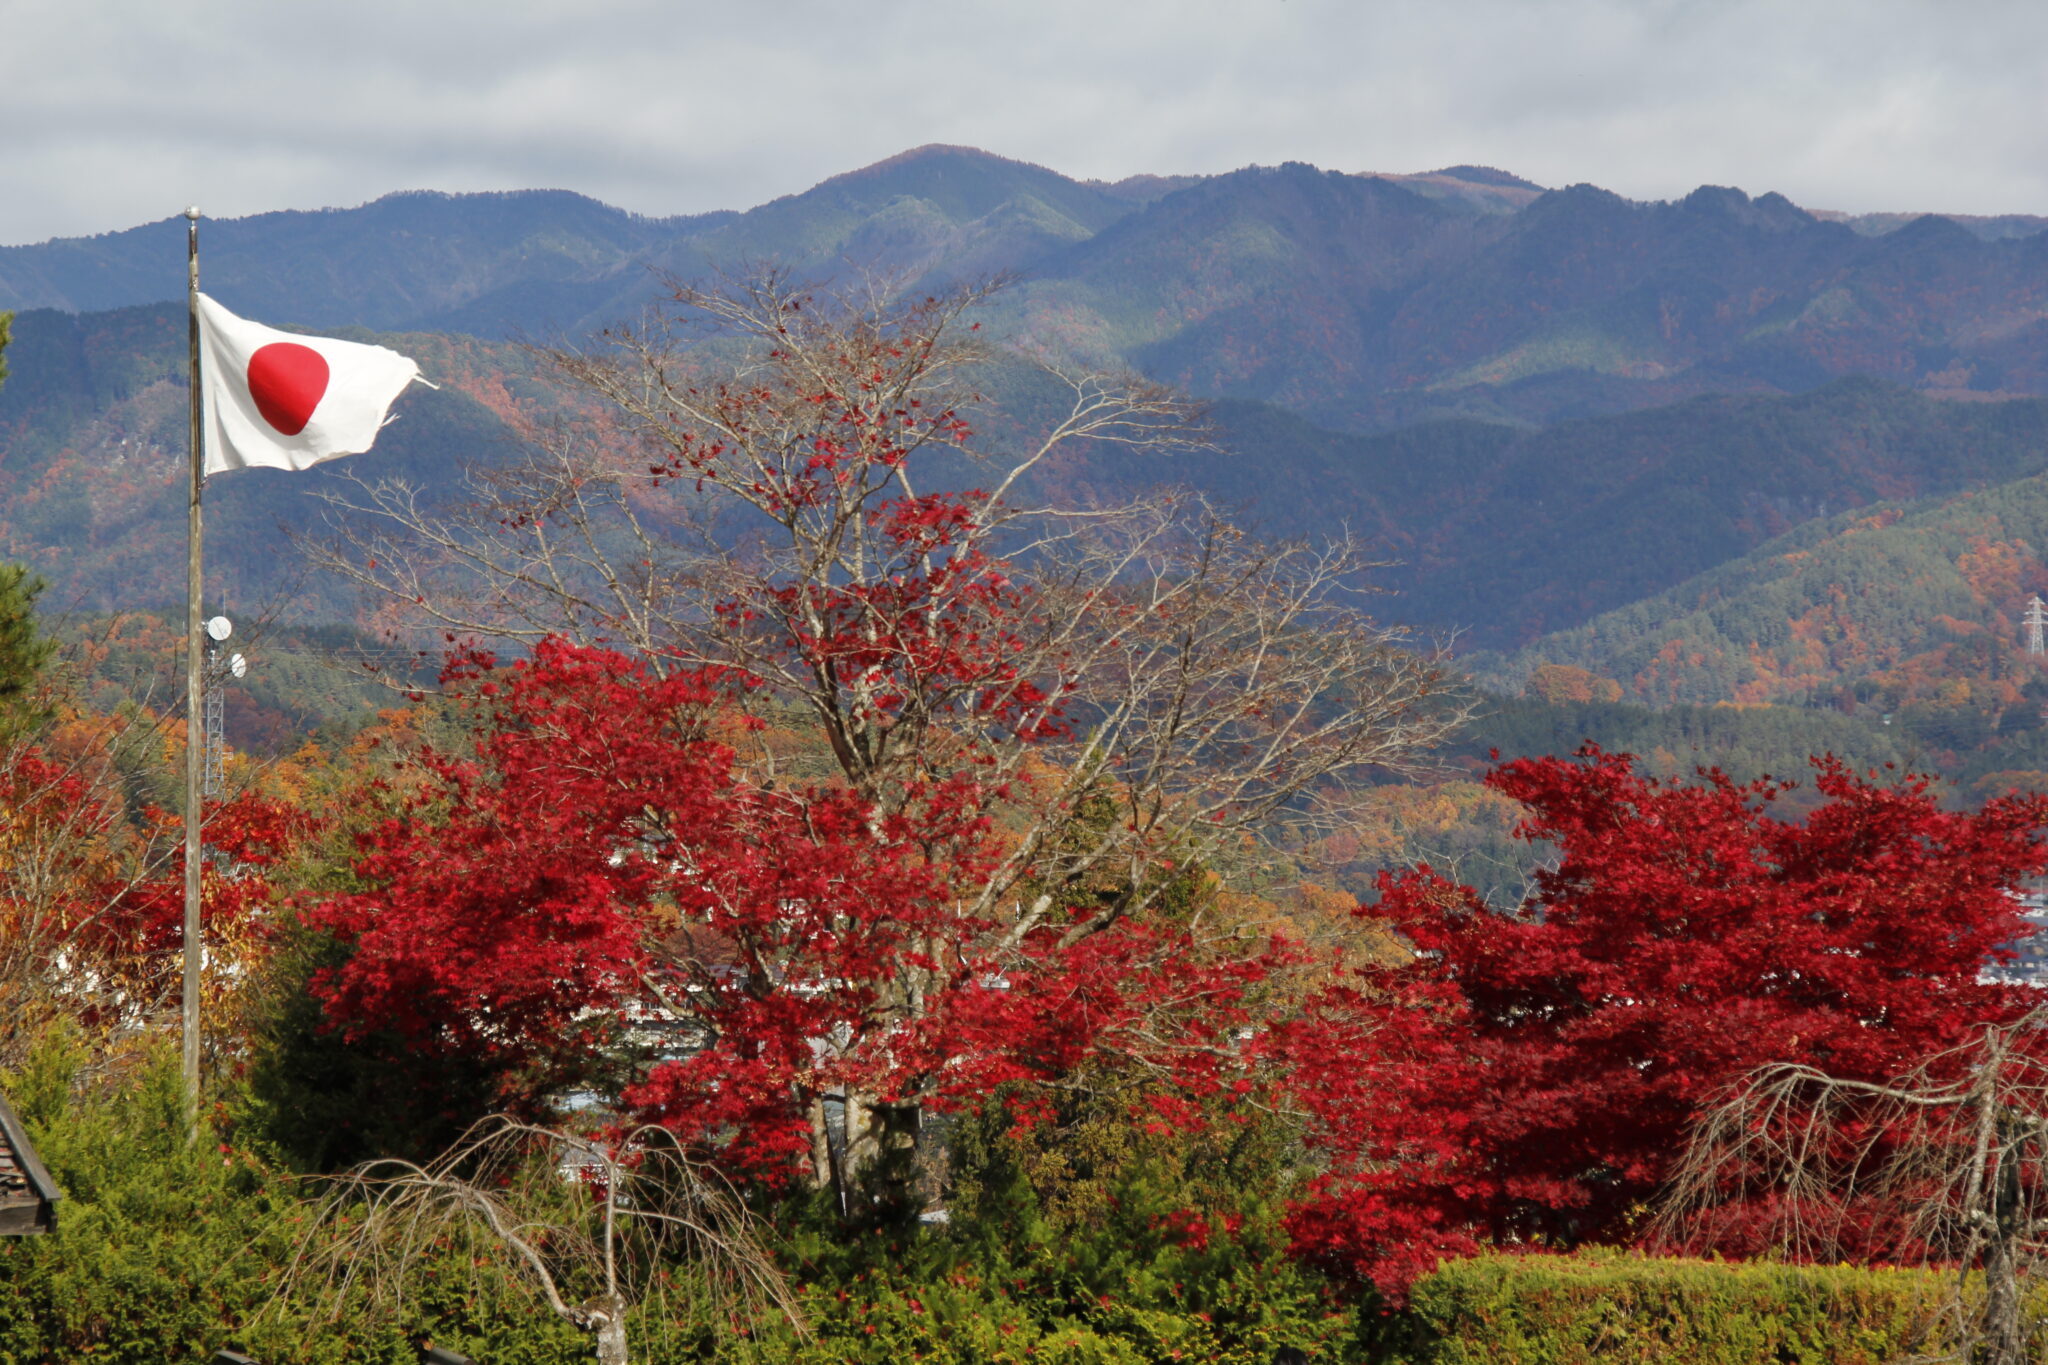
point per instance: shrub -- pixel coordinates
(1620, 1308)
(156, 1238)
(167, 1250)
(1094, 1238)
(322, 1102)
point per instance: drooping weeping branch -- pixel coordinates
(1946, 1165)
(589, 1225)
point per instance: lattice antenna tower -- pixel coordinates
(2037, 621)
(220, 667)
(216, 739)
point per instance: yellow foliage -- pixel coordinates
(1561, 684)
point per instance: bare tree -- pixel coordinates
(591, 1226)
(1946, 1165)
(783, 485)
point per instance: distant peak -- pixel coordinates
(1487, 175)
(1585, 192)
(1716, 196)
(937, 151)
(1933, 227)
(1289, 170)
(1780, 209)
(1772, 211)
(450, 196)
(1984, 227)
(528, 196)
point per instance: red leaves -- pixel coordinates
(92, 906)
(938, 634)
(508, 904)
(600, 856)
(1530, 1076)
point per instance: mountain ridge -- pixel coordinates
(1363, 300)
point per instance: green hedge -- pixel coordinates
(1624, 1309)
(166, 1251)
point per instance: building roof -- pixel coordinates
(28, 1196)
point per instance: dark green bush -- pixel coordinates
(1095, 1238)
(160, 1244)
(322, 1103)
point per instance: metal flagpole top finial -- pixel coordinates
(192, 212)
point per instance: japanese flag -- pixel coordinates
(276, 400)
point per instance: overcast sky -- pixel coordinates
(116, 112)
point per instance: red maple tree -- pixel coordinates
(602, 849)
(92, 891)
(1028, 711)
(1530, 1077)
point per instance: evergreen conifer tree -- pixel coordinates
(23, 650)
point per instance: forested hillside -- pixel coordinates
(1498, 533)
(1892, 605)
(1510, 533)
(1571, 435)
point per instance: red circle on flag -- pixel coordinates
(287, 381)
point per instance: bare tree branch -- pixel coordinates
(755, 495)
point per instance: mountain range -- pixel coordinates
(1358, 300)
(1548, 404)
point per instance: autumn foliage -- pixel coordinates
(92, 891)
(602, 851)
(1521, 1078)
(1530, 1076)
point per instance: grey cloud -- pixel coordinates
(122, 112)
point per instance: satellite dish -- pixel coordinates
(219, 628)
(237, 665)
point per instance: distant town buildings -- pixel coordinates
(2030, 967)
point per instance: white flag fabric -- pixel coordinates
(277, 400)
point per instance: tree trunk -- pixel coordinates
(2004, 1326)
(824, 1165)
(610, 1324)
(857, 1151)
(878, 1173)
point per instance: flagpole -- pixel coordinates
(195, 700)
